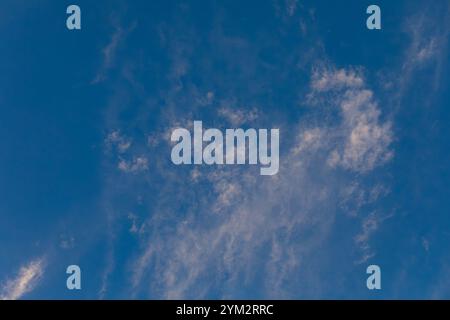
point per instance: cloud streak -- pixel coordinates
(26, 280)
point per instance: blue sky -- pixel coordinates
(86, 176)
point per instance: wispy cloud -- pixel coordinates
(237, 117)
(119, 141)
(204, 231)
(215, 237)
(136, 165)
(26, 280)
(119, 145)
(366, 140)
(330, 79)
(109, 51)
(370, 224)
(429, 33)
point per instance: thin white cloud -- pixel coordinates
(26, 280)
(370, 225)
(121, 145)
(138, 164)
(119, 141)
(429, 39)
(237, 117)
(366, 139)
(108, 55)
(109, 52)
(330, 79)
(355, 196)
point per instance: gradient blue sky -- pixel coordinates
(85, 170)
